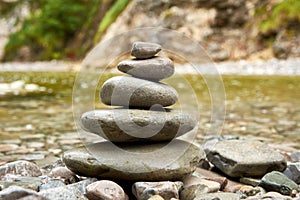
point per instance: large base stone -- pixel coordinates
(138, 162)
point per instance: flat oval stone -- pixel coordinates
(156, 68)
(137, 162)
(143, 50)
(135, 92)
(238, 158)
(130, 125)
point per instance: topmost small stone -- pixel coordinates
(143, 50)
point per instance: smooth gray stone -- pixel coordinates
(239, 158)
(135, 92)
(278, 182)
(156, 68)
(130, 125)
(138, 162)
(143, 50)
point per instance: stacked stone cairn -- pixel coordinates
(139, 124)
(142, 151)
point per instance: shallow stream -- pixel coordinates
(264, 107)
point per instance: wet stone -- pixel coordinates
(278, 182)
(238, 158)
(165, 189)
(138, 162)
(143, 50)
(105, 190)
(123, 125)
(156, 68)
(22, 168)
(135, 92)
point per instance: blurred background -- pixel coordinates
(255, 44)
(34, 30)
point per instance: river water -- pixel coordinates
(40, 125)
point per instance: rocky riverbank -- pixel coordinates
(248, 175)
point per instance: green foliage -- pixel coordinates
(280, 16)
(109, 17)
(50, 27)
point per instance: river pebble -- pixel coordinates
(22, 168)
(143, 50)
(278, 182)
(105, 189)
(165, 189)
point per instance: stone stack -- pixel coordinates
(140, 125)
